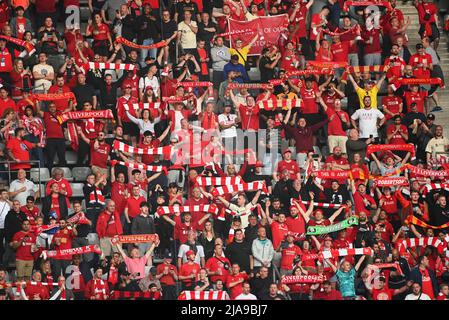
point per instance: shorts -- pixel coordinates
(100, 171)
(337, 141)
(130, 128)
(373, 59)
(24, 268)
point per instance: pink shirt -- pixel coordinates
(136, 265)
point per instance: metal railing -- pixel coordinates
(9, 171)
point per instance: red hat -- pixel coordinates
(259, 164)
(148, 87)
(190, 252)
(287, 151)
(328, 239)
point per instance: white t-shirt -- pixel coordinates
(183, 250)
(368, 121)
(248, 296)
(43, 69)
(147, 82)
(16, 185)
(4, 209)
(412, 296)
(188, 37)
(227, 120)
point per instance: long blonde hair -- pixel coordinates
(204, 232)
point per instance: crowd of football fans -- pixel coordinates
(253, 239)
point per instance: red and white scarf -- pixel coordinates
(336, 253)
(422, 242)
(432, 186)
(348, 4)
(251, 186)
(390, 182)
(209, 208)
(64, 253)
(142, 106)
(79, 218)
(131, 44)
(411, 81)
(310, 278)
(409, 147)
(130, 294)
(94, 114)
(123, 147)
(53, 96)
(109, 66)
(27, 46)
(140, 166)
(217, 181)
(285, 103)
(236, 85)
(96, 196)
(319, 204)
(203, 295)
(135, 238)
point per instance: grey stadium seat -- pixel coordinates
(44, 174)
(67, 173)
(77, 189)
(81, 173)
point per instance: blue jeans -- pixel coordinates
(144, 52)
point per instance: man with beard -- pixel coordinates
(97, 289)
(99, 153)
(439, 212)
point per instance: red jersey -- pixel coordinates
(397, 138)
(424, 59)
(249, 117)
(335, 124)
(278, 231)
(214, 264)
(382, 294)
(32, 214)
(118, 195)
(65, 237)
(418, 97)
(36, 289)
(397, 66)
(45, 6)
(309, 99)
(393, 104)
(187, 269)
(133, 206)
(168, 279)
(340, 51)
(23, 252)
(237, 289)
(6, 58)
(52, 126)
(324, 55)
(121, 113)
(100, 33)
(99, 157)
(7, 103)
(390, 205)
(61, 104)
(288, 256)
(21, 151)
(372, 40)
(297, 224)
(196, 216)
(316, 19)
(359, 205)
(300, 21)
(182, 229)
(291, 166)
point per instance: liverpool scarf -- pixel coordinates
(308, 72)
(178, 99)
(203, 295)
(251, 186)
(362, 69)
(411, 219)
(140, 166)
(332, 174)
(409, 147)
(27, 46)
(285, 103)
(209, 208)
(109, 66)
(131, 44)
(410, 81)
(336, 253)
(390, 182)
(310, 278)
(135, 238)
(348, 4)
(130, 294)
(217, 181)
(142, 106)
(53, 96)
(236, 85)
(94, 114)
(327, 65)
(427, 172)
(319, 204)
(78, 218)
(123, 147)
(318, 230)
(433, 186)
(65, 253)
(422, 242)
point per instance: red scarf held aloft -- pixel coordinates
(327, 66)
(109, 66)
(422, 242)
(28, 46)
(142, 106)
(348, 4)
(411, 81)
(70, 252)
(217, 181)
(411, 219)
(427, 172)
(78, 218)
(203, 295)
(123, 147)
(251, 186)
(362, 69)
(135, 238)
(332, 174)
(77, 115)
(53, 96)
(140, 166)
(178, 99)
(284, 103)
(336, 253)
(432, 186)
(130, 294)
(409, 147)
(208, 208)
(333, 34)
(310, 278)
(389, 182)
(236, 85)
(131, 44)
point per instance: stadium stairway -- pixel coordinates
(443, 51)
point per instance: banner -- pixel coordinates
(95, 114)
(283, 103)
(409, 147)
(66, 253)
(268, 28)
(390, 182)
(318, 230)
(217, 181)
(332, 174)
(135, 238)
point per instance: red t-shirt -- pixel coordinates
(33, 289)
(291, 166)
(416, 59)
(99, 157)
(397, 64)
(278, 231)
(8, 103)
(52, 126)
(182, 230)
(390, 205)
(382, 294)
(335, 125)
(316, 19)
(187, 269)
(300, 21)
(288, 255)
(427, 287)
(296, 224)
(62, 104)
(392, 103)
(166, 279)
(309, 99)
(249, 117)
(146, 158)
(133, 206)
(214, 264)
(45, 6)
(237, 289)
(196, 216)
(359, 205)
(121, 113)
(118, 195)
(374, 35)
(397, 138)
(101, 33)
(23, 252)
(21, 151)
(418, 97)
(65, 236)
(340, 51)
(31, 214)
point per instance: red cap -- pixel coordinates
(259, 164)
(190, 252)
(287, 151)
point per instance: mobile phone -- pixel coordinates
(370, 136)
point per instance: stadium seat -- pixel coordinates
(71, 157)
(77, 189)
(80, 173)
(67, 173)
(43, 172)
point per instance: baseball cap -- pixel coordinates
(431, 116)
(287, 151)
(169, 255)
(259, 164)
(189, 253)
(419, 46)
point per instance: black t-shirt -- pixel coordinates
(265, 73)
(83, 93)
(239, 253)
(168, 28)
(204, 34)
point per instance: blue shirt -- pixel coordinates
(237, 68)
